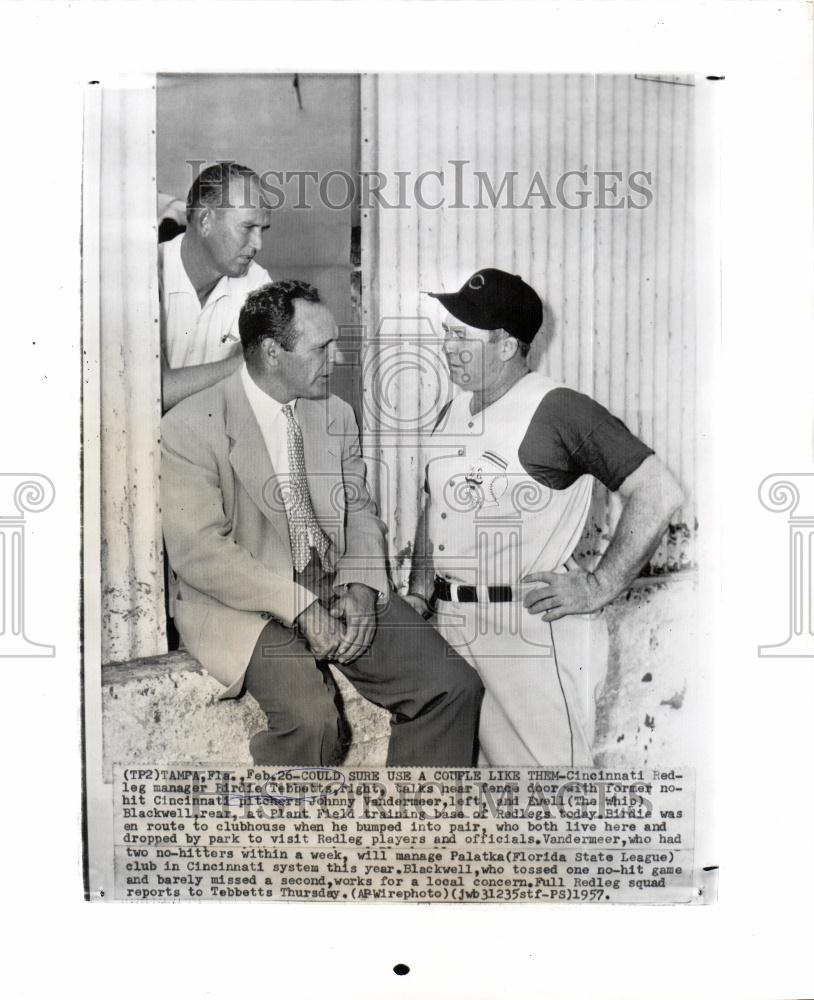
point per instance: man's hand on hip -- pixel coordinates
(320, 630)
(576, 592)
(356, 609)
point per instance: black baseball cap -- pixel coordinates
(496, 300)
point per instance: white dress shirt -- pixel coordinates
(274, 428)
(272, 421)
(192, 334)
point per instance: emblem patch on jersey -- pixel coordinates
(484, 472)
(493, 457)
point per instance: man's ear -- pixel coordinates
(509, 346)
(270, 351)
(204, 220)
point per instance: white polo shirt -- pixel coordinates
(192, 334)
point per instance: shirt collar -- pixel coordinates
(176, 280)
(265, 407)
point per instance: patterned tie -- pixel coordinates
(303, 527)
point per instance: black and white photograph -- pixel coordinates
(400, 420)
(408, 497)
(404, 214)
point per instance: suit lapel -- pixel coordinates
(252, 466)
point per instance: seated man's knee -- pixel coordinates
(471, 684)
(460, 680)
(315, 720)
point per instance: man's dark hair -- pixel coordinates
(210, 189)
(269, 312)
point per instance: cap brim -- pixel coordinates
(451, 301)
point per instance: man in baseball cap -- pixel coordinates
(496, 300)
(506, 505)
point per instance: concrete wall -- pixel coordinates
(166, 710)
(652, 707)
(121, 351)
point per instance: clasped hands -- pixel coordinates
(343, 631)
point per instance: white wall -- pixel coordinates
(618, 283)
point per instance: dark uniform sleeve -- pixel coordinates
(571, 435)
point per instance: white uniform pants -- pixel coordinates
(541, 679)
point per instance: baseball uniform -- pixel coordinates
(510, 498)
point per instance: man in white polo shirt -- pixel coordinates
(506, 505)
(205, 275)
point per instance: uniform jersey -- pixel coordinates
(512, 494)
(508, 498)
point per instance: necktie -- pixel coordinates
(303, 527)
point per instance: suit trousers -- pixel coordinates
(432, 692)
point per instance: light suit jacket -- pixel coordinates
(225, 524)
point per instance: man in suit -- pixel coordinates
(280, 558)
